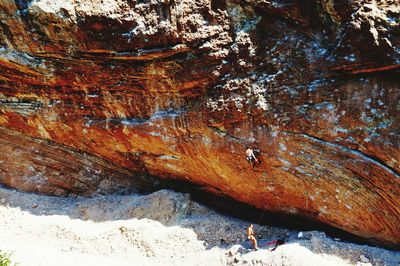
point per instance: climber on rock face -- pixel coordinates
(250, 157)
(251, 237)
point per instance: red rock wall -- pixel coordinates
(176, 90)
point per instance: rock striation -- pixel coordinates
(118, 96)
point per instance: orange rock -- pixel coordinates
(125, 97)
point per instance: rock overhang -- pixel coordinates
(176, 89)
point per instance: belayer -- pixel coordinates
(251, 237)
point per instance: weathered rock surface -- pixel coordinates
(101, 96)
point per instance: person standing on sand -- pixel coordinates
(251, 237)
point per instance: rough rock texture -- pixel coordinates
(40, 166)
(177, 89)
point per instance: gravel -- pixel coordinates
(162, 228)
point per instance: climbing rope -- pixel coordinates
(262, 215)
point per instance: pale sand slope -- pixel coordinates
(163, 228)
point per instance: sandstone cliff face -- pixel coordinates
(105, 96)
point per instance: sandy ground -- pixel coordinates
(163, 228)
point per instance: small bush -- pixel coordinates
(5, 259)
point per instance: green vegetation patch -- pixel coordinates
(5, 259)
